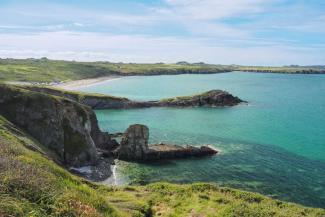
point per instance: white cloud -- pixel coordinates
(64, 32)
(78, 24)
(138, 48)
(216, 9)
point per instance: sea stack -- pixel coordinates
(134, 147)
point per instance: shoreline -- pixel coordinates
(70, 85)
(73, 85)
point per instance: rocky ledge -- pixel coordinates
(134, 147)
(167, 151)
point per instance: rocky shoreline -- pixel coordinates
(65, 124)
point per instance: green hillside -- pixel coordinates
(45, 70)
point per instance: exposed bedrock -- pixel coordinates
(63, 126)
(134, 147)
(134, 143)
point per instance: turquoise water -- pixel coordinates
(275, 145)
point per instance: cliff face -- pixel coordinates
(65, 127)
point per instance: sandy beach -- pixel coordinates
(72, 85)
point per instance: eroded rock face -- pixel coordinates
(64, 126)
(134, 144)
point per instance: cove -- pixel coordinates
(275, 145)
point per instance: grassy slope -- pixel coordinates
(31, 184)
(44, 70)
(76, 95)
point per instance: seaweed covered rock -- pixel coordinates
(64, 126)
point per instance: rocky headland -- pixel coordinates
(212, 98)
(67, 129)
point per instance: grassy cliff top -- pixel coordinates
(210, 93)
(31, 184)
(75, 95)
(45, 70)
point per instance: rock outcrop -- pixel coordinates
(167, 151)
(66, 127)
(134, 144)
(134, 147)
(212, 98)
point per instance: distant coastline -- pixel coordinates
(59, 72)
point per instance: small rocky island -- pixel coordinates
(212, 98)
(134, 147)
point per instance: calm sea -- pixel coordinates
(275, 145)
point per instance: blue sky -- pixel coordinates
(249, 32)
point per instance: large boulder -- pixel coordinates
(134, 144)
(66, 127)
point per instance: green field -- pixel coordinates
(45, 70)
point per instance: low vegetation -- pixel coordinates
(45, 70)
(75, 95)
(31, 184)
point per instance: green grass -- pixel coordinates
(76, 95)
(44, 70)
(284, 69)
(31, 184)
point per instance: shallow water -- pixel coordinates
(275, 145)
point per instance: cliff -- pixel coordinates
(64, 126)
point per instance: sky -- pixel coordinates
(246, 32)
